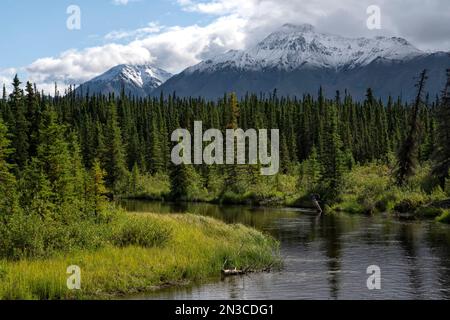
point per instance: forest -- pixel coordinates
(64, 157)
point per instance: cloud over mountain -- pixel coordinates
(236, 24)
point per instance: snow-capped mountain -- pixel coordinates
(137, 80)
(293, 47)
(297, 59)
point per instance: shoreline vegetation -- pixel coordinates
(366, 189)
(145, 252)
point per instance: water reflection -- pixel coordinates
(327, 258)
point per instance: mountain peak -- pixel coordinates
(139, 80)
(301, 46)
(140, 75)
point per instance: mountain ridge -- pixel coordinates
(297, 60)
(137, 80)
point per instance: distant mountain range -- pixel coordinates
(137, 80)
(295, 60)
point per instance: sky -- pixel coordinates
(37, 43)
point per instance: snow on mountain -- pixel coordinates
(298, 60)
(300, 46)
(139, 75)
(139, 80)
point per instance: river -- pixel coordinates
(327, 257)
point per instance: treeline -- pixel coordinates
(60, 156)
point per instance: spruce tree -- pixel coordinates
(441, 156)
(33, 117)
(19, 126)
(96, 190)
(55, 161)
(408, 153)
(332, 158)
(8, 194)
(114, 157)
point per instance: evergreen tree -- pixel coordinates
(114, 158)
(33, 117)
(19, 126)
(408, 154)
(96, 190)
(312, 170)
(441, 156)
(332, 157)
(8, 194)
(55, 162)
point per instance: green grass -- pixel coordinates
(178, 249)
(444, 217)
(370, 189)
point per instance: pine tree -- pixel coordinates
(8, 194)
(441, 156)
(114, 158)
(157, 152)
(312, 170)
(235, 173)
(19, 126)
(332, 158)
(134, 180)
(33, 117)
(96, 190)
(54, 160)
(408, 154)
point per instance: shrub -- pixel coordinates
(429, 212)
(407, 205)
(23, 236)
(141, 231)
(444, 217)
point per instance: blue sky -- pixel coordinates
(175, 34)
(38, 28)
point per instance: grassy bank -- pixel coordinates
(369, 189)
(144, 253)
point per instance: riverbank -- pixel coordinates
(366, 189)
(166, 250)
(370, 189)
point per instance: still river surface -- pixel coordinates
(327, 257)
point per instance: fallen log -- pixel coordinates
(232, 272)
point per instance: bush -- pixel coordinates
(444, 217)
(140, 231)
(27, 236)
(22, 237)
(407, 205)
(429, 212)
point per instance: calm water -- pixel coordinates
(327, 258)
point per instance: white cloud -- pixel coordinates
(76, 66)
(238, 24)
(173, 49)
(152, 27)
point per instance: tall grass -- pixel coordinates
(370, 189)
(188, 248)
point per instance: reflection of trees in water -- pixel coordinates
(302, 234)
(330, 231)
(438, 239)
(407, 236)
